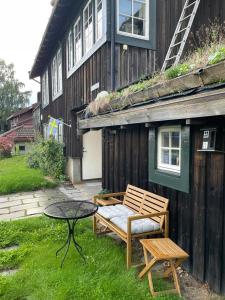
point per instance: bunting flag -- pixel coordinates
(53, 126)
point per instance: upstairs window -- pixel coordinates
(45, 89)
(70, 51)
(57, 74)
(78, 41)
(99, 19)
(88, 26)
(133, 18)
(169, 149)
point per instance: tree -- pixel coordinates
(12, 98)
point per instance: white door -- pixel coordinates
(92, 155)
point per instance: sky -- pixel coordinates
(22, 25)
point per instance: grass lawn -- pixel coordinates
(15, 176)
(102, 277)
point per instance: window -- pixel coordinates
(22, 148)
(78, 41)
(45, 131)
(70, 51)
(99, 19)
(133, 17)
(57, 75)
(169, 149)
(45, 90)
(169, 157)
(88, 26)
(60, 133)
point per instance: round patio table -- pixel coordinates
(71, 211)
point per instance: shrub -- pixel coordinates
(178, 70)
(217, 56)
(6, 145)
(48, 156)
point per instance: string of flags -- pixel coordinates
(53, 125)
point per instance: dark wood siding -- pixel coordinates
(197, 220)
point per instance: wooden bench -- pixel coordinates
(140, 213)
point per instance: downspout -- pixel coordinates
(113, 28)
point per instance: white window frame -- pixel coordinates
(45, 131)
(57, 75)
(90, 29)
(98, 23)
(144, 37)
(45, 89)
(163, 166)
(77, 47)
(70, 51)
(60, 133)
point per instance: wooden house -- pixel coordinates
(101, 45)
(22, 130)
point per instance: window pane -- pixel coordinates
(139, 10)
(125, 24)
(165, 156)
(126, 7)
(175, 158)
(139, 27)
(175, 139)
(165, 139)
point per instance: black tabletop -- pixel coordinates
(71, 210)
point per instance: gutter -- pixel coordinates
(112, 45)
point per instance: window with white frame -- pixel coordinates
(78, 40)
(45, 89)
(133, 18)
(70, 51)
(88, 26)
(169, 149)
(98, 19)
(57, 74)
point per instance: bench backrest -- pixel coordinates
(144, 202)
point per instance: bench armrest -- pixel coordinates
(138, 217)
(102, 196)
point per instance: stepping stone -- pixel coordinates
(8, 272)
(10, 248)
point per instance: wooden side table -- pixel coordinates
(162, 249)
(106, 202)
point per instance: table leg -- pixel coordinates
(71, 231)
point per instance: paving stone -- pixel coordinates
(34, 211)
(10, 203)
(10, 248)
(34, 200)
(3, 199)
(46, 203)
(5, 217)
(8, 272)
(17, 214)
(4, 211)
(23, 207)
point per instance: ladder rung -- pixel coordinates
(185, 18)
(189, 5)
(181, 30)
(176, 44)
(171, 57)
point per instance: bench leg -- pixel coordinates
(94, 224)
(129, 252)
(175, 278)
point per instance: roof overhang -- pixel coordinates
(210, 103)
(53, 34)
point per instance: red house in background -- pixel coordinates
(22, 128)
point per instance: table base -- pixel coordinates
(71, 231)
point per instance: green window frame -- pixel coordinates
(178, 181)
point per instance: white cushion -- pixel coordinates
(111, 211)
(137, 226)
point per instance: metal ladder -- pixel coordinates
(181, 33)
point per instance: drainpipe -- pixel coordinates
(113, 28)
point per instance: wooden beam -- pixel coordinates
(196, 106)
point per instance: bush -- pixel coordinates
(217, 56)
(178, 70)
(48, 156)
(6, 145)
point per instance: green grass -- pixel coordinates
(102, 277)
(15, 176)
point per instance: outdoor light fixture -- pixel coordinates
(211, 140)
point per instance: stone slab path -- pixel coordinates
(22, 205)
